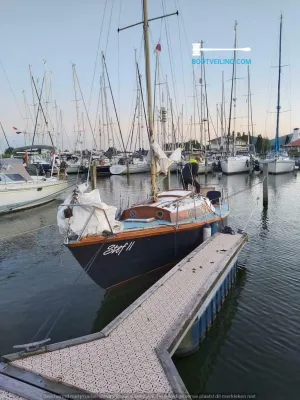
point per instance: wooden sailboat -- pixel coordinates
(147, 236)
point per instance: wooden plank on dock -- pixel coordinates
(132, 356)
(12, 389)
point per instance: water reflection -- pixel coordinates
(119, 298)
(264, 222)
(197, 368)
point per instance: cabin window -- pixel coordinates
(15, 177)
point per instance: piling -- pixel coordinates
(205, 166)
(94, 175)
(251, 164)
(265, 184)
(169, 179)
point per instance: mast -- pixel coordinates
(108, 127)
(201, 96)
(4, 134)
(149, 96)
(232, 82)
(61, 130)
(77, 108)
(26, 117)
(248, 106)
(102, 110)
(222, 113)
(278, 93)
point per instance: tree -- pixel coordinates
(259, 144)
(287, 139)
(266, 145)
(9, 150)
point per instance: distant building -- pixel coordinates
(240, 143)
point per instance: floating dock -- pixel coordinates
(132, 356)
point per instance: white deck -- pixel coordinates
(129, 358)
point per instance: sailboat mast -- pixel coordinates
(149, 96)
(232, 82)
(248, 105)
(278, 93)
(77, 109)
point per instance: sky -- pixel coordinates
(66, 32)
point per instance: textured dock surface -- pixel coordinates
(132, 355)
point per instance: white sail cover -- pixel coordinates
(87, 204)
(176, 155)
(162, 161)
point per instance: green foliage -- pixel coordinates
(9, 151)
(287, 140)
(259, 144)
(266, 145)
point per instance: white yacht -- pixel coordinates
(278, 162)
(236, 164)
(136, 166)
(19, 191)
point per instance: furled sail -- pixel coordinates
(85, 214)
(162, 161)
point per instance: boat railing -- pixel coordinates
(79, 237)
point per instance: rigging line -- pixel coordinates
(85, 106)
(269, 98)
(114, 132)
(132, 126)
(41, 107)
(120, 10)
(97, 109)
(97, 54)
(66, 303)
(37, 115)
(85, 270)
(109, 25)
(135, 84)
(182, 68)
(170, 56)
(44, 102)
(11, 89)
(144, 109)
(113, 100)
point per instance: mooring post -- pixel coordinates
(169, 179)
(205, 166)
(265, 184)
(94, 175)
(251, 165)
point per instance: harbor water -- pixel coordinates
(254, 344)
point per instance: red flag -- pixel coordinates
(158, 48)
(16, 129)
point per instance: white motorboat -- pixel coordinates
(236, 164)
(19, 191)
(278, 163)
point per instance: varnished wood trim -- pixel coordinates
(136, 234)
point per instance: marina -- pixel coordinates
(149, 208)
(132, 355)
(52, 290)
